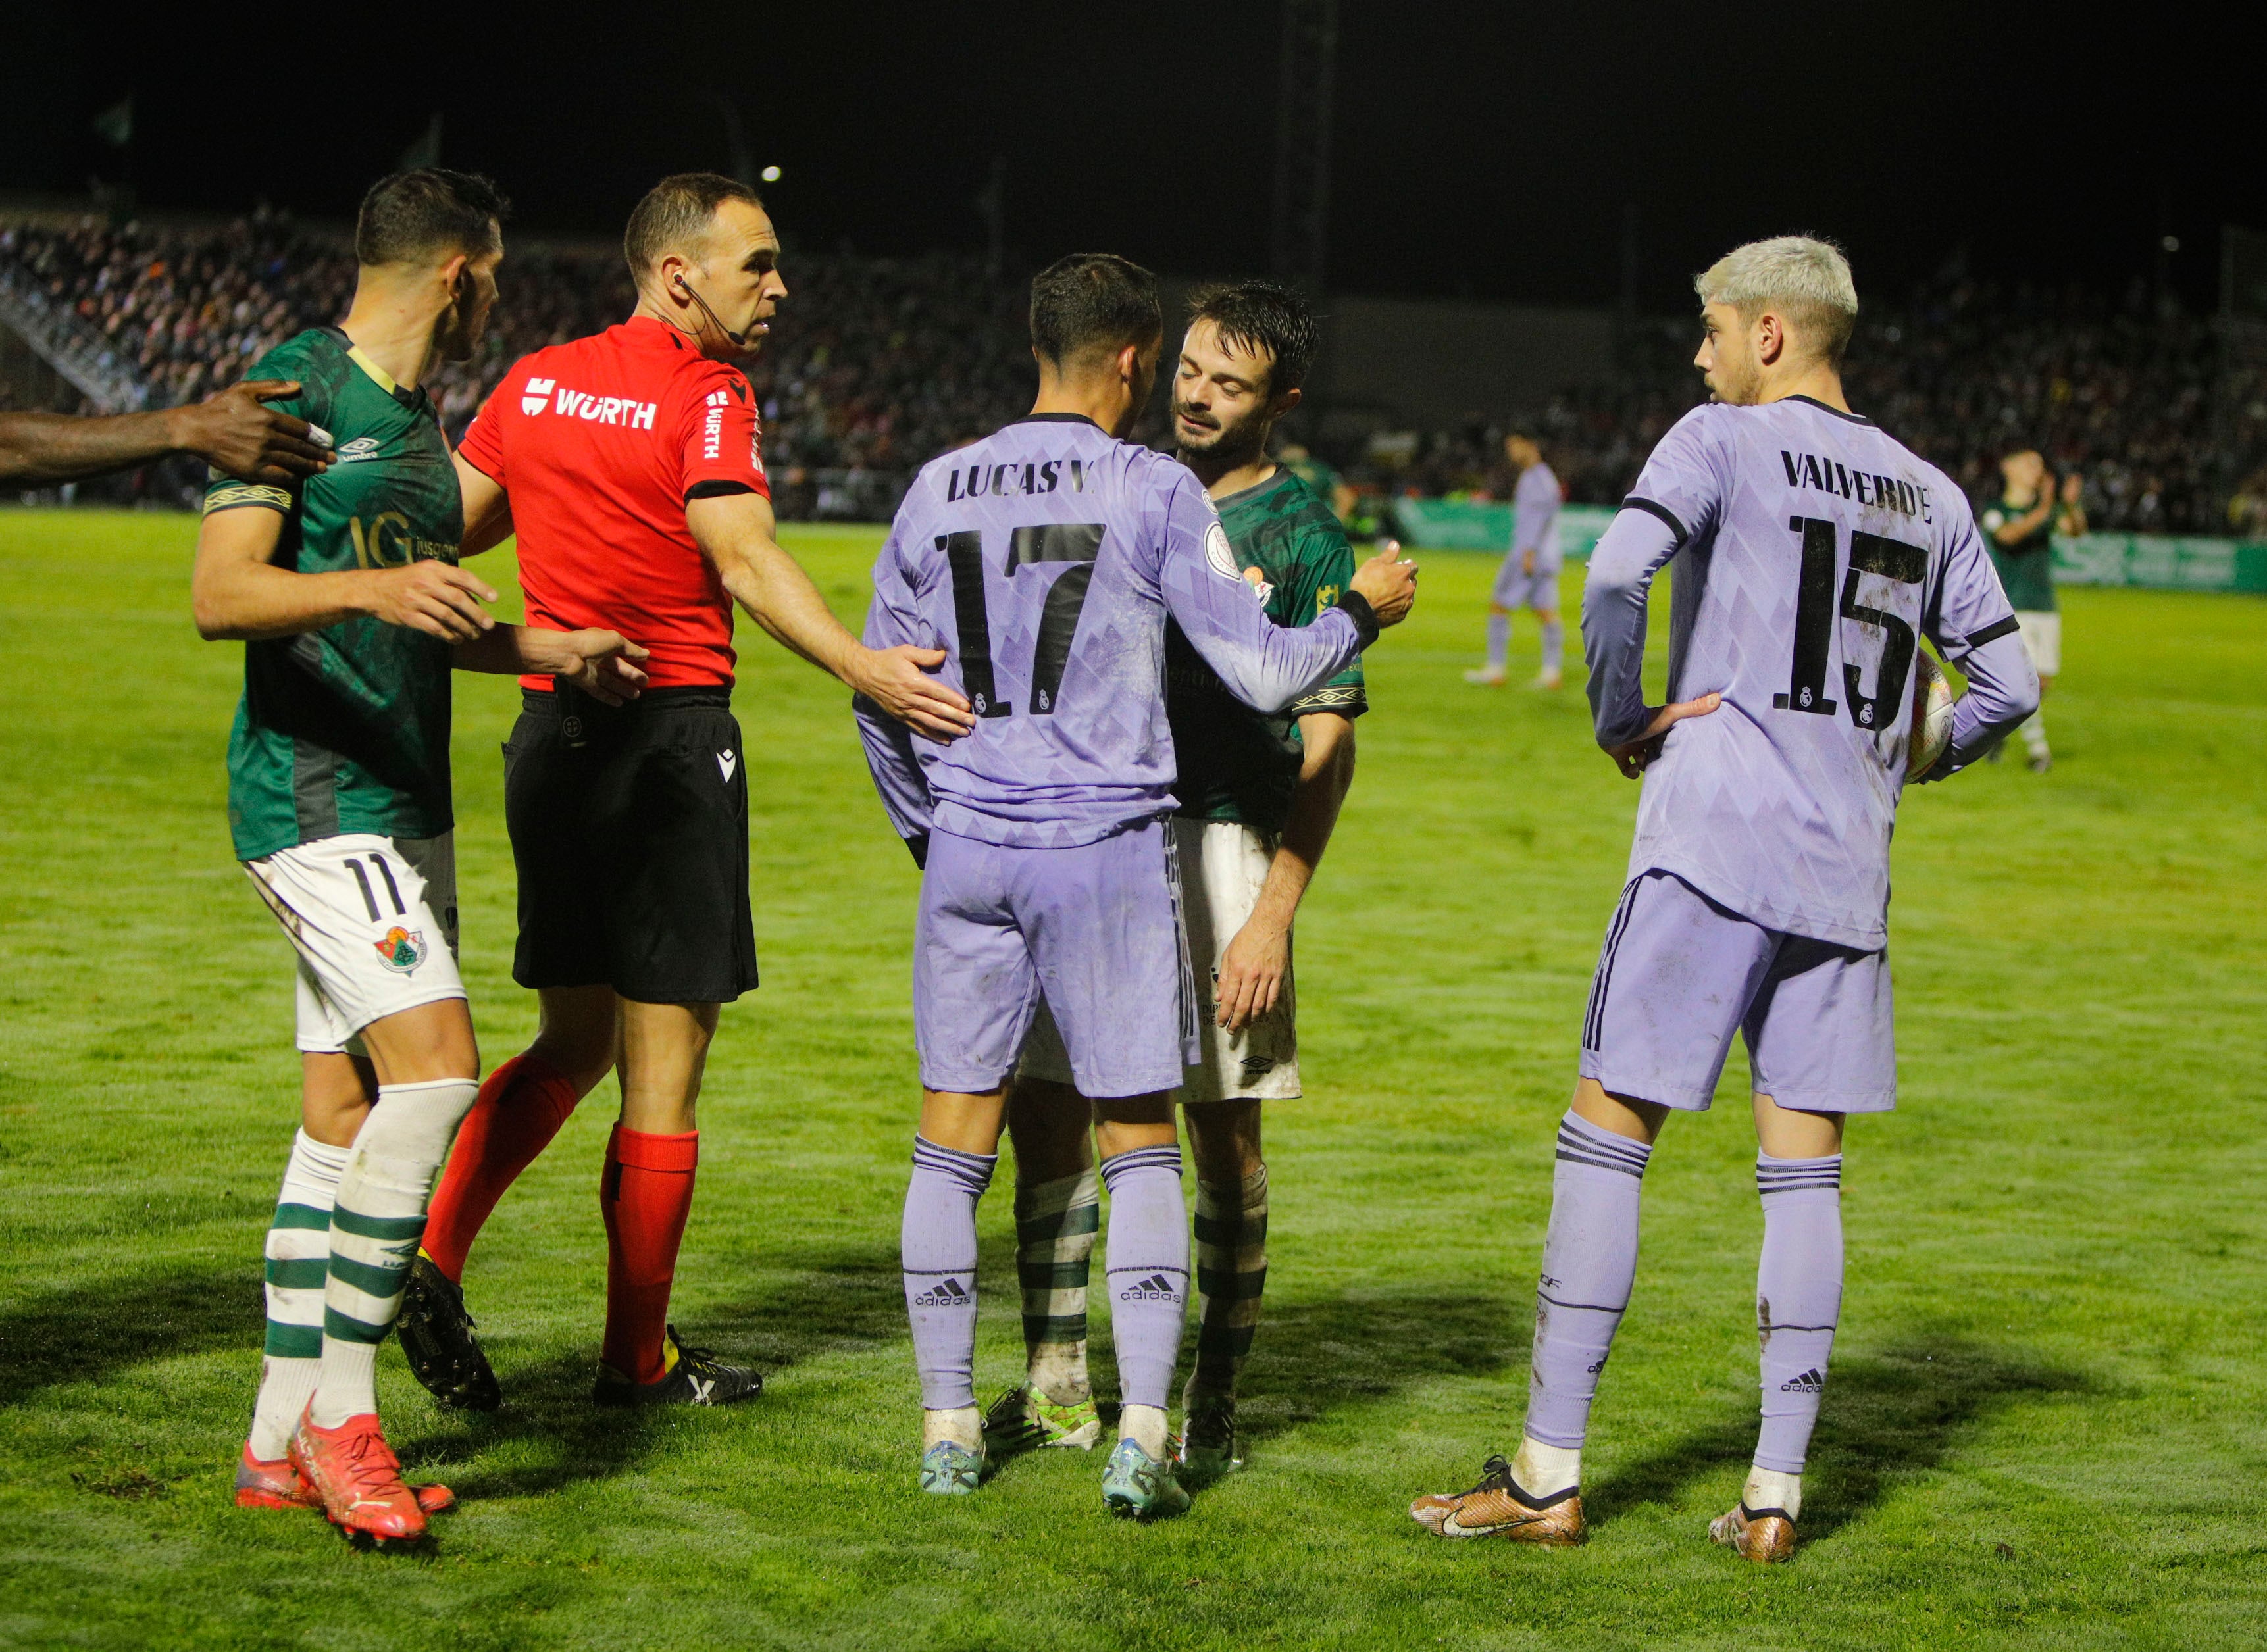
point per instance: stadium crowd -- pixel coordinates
(898, 358)
(1964, 371)
(888, 361)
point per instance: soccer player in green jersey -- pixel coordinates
(1259, 796)
(345, 590)
(2019, 530)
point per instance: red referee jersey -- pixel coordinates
(600, 443)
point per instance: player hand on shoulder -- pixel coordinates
(1387, 583)
(234, 431)
(1634, 756)
(898, 680)
(435, 598)
(602, 664)
(1251, 971)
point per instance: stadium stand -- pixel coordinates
(899, 359)
(2150, 406)
(888, 361)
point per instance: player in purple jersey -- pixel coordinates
(1814, 551)
(1045, 560)
(1530, 575)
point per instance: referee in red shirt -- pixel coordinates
(630, 464)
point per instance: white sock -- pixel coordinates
(375, 1227)
(1767, 1490)
(1543, 1470)
(960, 1425)
(1144, 1426)
(298, 1252)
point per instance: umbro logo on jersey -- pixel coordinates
(360, 448)
(580, 404)
(948, 1293)
(1811, 1382)
(726, 762)
(1155, 1287)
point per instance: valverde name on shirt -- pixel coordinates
(1807, 469)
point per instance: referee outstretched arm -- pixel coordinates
(735, 532)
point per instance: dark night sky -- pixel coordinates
(1481, 150)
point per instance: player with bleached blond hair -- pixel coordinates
(1813, 551)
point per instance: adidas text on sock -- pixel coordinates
(936, 1245)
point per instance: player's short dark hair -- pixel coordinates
(676, 214)
(1093, 302)
(427, 213)
(1264, 320)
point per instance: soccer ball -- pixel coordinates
(1932, 715)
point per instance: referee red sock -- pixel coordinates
(520, 1109)
(645, 1198)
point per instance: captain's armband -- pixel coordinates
(237, 495)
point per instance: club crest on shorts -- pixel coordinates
(402, 949)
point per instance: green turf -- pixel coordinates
(2043, 1428)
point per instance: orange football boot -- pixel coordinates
(358, 1479)
(277, 1485)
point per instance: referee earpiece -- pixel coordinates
(737, 338)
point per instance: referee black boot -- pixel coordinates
(695, 1376)
(436, 1335)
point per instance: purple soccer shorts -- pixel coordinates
(1096, 928)
(1679, 973)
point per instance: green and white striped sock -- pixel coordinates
(375, 1227)
(298, 1262)
(1055, 1225)
(1231, 1234)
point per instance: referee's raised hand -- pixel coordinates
(435, 598)
(898, 680)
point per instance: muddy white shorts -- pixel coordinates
(1223, 866)
(2041, 634)
(375, 922)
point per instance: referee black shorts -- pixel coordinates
(629, 826)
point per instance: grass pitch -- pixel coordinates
(2043, 1428)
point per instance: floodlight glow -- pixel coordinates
(771, 174)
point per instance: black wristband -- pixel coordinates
(1358, 610)
(918, 848)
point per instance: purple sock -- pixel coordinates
(1499, 639)
(1589, 1259)
(1798, 1299)
(937, 1246)
(1148, 1268)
